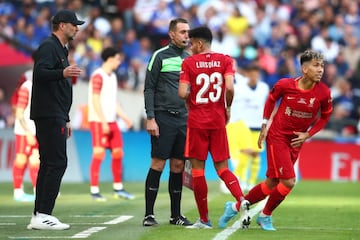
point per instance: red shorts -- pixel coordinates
(281, 158)
(22, 146)
(111, 140)
(201, 141)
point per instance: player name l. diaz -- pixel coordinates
(210, 64)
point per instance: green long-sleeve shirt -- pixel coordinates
(162, 81)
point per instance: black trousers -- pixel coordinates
(51, 134)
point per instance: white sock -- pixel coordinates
(233, 206)
(18, 192)
(94, 189)
(118, 186)
(264, 215)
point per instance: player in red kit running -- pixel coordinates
(207, 83)
(304, 110)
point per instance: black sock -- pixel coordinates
(175, 190)
(151, 190)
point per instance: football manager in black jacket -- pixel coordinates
(51, 100)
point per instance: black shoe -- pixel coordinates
(180, 220)
(149, 221)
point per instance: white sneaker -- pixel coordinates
(245, 218)
(200, 225)
(24, 197)
(42, 221)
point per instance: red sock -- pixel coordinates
(258, 193)
(95, 171)
(18, 175)
(231, 183)
(33, 172)
(117, 169)
(277, 195)
(200, 189)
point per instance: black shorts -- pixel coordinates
(171, 142)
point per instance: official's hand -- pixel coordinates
(152, 127)
(301, 137)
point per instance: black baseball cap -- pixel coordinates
(66, 16)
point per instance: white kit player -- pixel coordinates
(245, 125)
(26, 145)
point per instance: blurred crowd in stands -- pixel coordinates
(270, 32)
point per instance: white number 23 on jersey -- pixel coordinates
(205, 81)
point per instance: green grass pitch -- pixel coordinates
(314, 210)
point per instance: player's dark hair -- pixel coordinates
(108, 52)
(251, 66)
(173, 23)
(202, 33)
(309, 55)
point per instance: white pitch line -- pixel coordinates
(236, 225)
(83, 234)
(119, 220)
(15, 216)
(92, 216)
(88, 232)
(320, 228)
(39, 237)
(74, 216)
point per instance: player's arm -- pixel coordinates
(121, 113)
(95, 100)
(229, 77)
(326, 109)
(184, 83)
(229, 93)
(268, 111)
(321, 121)
(229, 89)
(183, 90)
(318, 125)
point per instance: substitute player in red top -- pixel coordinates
(207, 83)
(304, 110)
(103, 113)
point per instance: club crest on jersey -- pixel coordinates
(312, 100)
(288, 111)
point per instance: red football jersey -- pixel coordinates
(205, 73)
(298, 108)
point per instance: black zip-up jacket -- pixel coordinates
(51, 92)
(162, 81)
